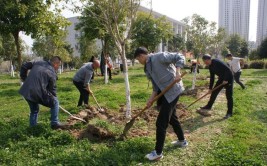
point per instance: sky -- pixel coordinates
(179, 9)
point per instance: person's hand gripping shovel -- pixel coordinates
(130, 123)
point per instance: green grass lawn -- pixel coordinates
(240, 140)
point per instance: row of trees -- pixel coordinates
(117, 23)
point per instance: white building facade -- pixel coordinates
(234, 17)
(73, 35)
(261, 21)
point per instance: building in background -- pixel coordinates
(261, 21)
(73, 35)
(234, 17)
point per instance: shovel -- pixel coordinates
(130, 123)
(215, 88)
(74, 117)
(99, 108)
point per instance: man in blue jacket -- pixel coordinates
(225, 76)
(39, 87)
(162, 69)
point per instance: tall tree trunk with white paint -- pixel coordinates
(126, 81)
(106, 73)
(12, 73)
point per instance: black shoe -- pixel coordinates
(205, 108)
(227, 116)
(59, 126)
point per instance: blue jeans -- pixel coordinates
(34, 107)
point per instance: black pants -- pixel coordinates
(84, 94)
(229, 95)
(109, 73)
(237, 77)
(167, 115)
(121, 67)
(193, 68)
(93, 75)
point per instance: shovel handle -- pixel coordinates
(95, 100)
(65, 111)
(71, 114)
(215, 88)
(161, 93)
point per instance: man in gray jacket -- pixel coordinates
(82, 81)
(162, 69)
(39, 87)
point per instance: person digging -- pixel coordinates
(225, 76)
(234, 64)
(39, 87)
(162, 69)
(82, 81)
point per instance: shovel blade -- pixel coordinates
(127, 127)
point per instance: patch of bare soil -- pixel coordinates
(93, 133)
(117, 118)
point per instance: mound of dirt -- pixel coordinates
(94, 133)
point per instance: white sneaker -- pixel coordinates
(180, 144)
(154, 156)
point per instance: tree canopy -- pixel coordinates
(237, 46)
(176, 43)
(198, 32)
(30, 16)
(149, 31)
(262, 50)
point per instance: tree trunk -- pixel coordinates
(16, 37)
(106, 73)
(126, 80)
(194, 77)
(12, 74)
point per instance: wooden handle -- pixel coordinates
(161, 93)
(95, 100)
(206, 94)
(65, 111)
(167, 88)
(71, 114)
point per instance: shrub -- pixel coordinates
(265, 65)
(257, 65)
(245, 66)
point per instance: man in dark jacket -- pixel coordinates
(82, 81)
(162, 69)
(225, 76)
(39, 87)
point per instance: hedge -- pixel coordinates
(257, 65)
